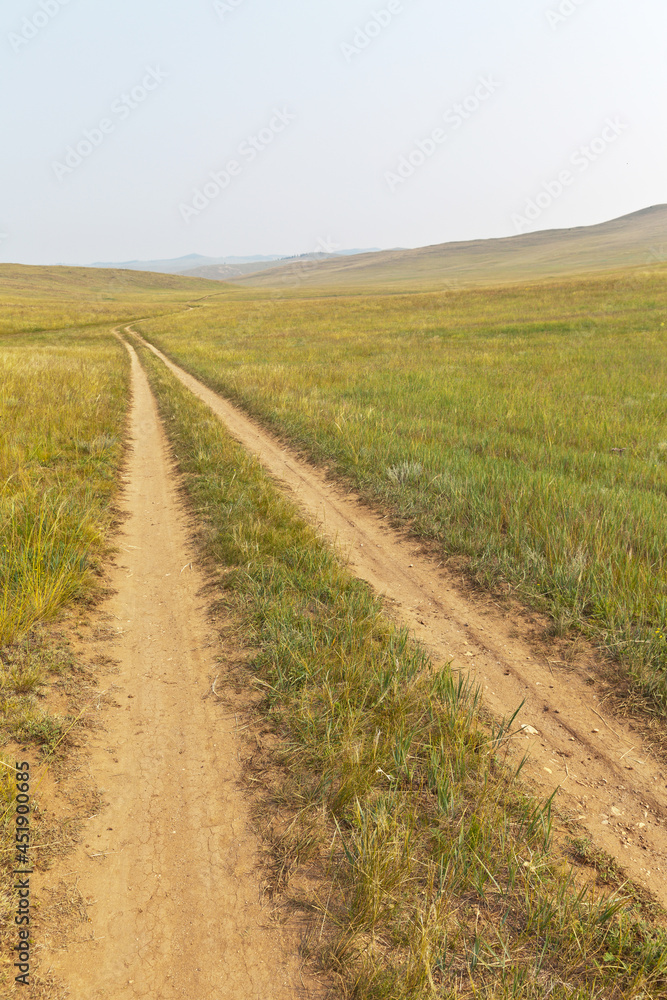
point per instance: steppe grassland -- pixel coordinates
(63, 398)
(429, 871)
(63, 402)
(64, 392)
(523, 427)
(36, 299)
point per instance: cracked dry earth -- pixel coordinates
(608, 780)
(168, 868)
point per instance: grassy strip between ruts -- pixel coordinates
(439, 877)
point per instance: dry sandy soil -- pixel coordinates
(608, 780)
(168, 869)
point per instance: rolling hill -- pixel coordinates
(194, 265)
(632, 240)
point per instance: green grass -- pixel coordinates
(63, 399)
(524, 428)
(438, 874)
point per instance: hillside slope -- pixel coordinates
(92, 281)
(632, 240)
(34, 298)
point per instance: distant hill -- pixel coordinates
(91, 282)
(195, 265)
(632, 240)
(184, 265)
(228, 271)
(36, 298)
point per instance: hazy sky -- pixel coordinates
(157, 128)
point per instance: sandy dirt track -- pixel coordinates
(169, 866)
(608, 779)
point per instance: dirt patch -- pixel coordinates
(610, 785)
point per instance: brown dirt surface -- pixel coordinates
(170, 899)
(610, 784)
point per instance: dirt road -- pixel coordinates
(169, 864)
(608, 779)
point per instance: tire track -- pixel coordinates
(608, 781)
(169, 868)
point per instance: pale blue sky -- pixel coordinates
(354, 107)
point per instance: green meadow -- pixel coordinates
(521, 427)
(395, 823)
(64, 384)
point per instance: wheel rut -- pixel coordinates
(607, 779)
(169, 865)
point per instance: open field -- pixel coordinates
(440, 875)
(34, 299)
(63, 404)
(523, 428)
(62, 411)
(62, 408)
(393, 819)
(63, 401)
